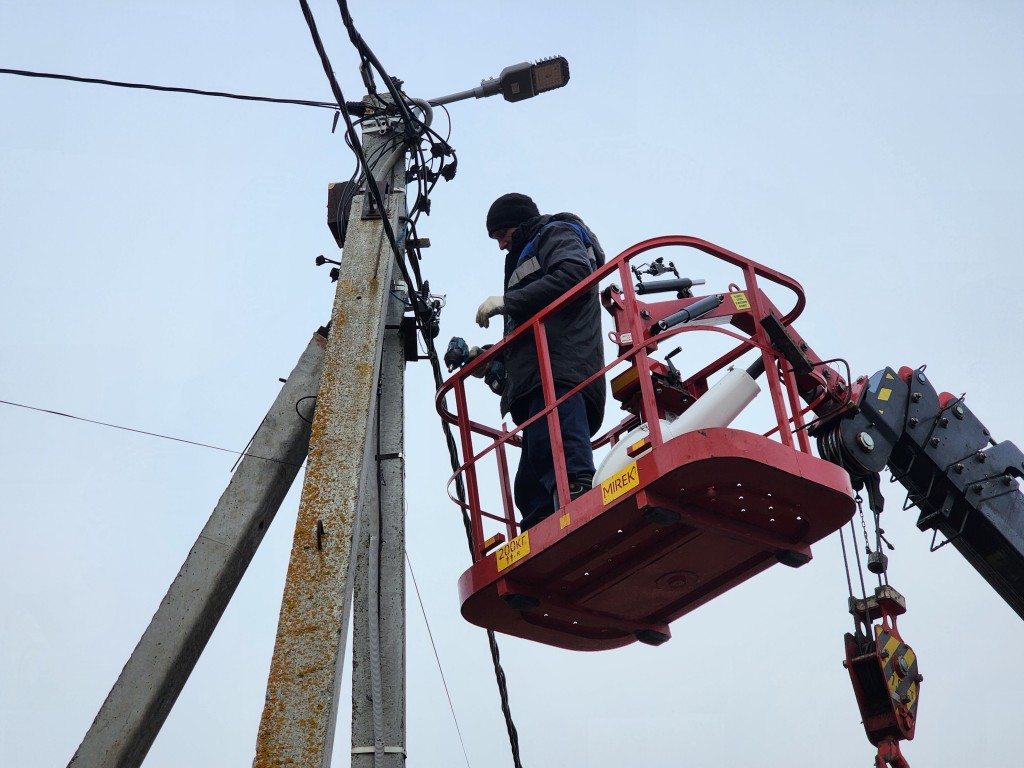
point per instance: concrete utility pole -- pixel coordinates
(353, 495)
(297, 727)
(138, 704)
(378, 611)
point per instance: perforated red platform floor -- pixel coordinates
(696, 516)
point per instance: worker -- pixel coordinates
(545, 257)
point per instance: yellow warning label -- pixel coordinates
(740, 300)
(563, 521)
(516, 549)
(883, 394)
(620, 483)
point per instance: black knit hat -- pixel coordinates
(510, 210)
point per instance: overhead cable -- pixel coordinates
(144, 432)
(353, 139)
(170, 89)
(437, 658)
(375, 193)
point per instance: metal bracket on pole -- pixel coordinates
(387, 751)
(370, 210)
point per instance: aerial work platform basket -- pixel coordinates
(683, 507)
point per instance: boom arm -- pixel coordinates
(964, 484)
(962, 481)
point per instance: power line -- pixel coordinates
(144, 432)
(433, 645)
(369, 59)
(170, 89)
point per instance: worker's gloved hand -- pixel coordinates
(494, 305)
(495, 377)
(493, 373)
(473, 352)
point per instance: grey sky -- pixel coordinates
(158, 272)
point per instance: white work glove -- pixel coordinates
(494, 305)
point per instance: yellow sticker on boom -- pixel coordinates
(619, 483)
(740, 300)
(516, 549)
(883, 394)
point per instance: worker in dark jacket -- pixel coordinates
(546, 256)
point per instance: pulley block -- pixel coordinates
(884, 673)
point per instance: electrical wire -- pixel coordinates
(460, 489)
(402, 103)
(433, 645)
(144, 432)
(372, 188)
(368, 56)
(427, 179)
(351, 131)
(299, 413)
(170, 89)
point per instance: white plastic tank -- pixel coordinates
(715, 408)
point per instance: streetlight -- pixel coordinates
(515, 83)
(518, 82)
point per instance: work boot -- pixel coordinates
(578, 485)
(533, 517)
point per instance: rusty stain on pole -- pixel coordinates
(297, 727)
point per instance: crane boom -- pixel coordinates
(961, 480)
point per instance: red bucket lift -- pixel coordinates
(680, 515)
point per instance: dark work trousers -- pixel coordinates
(535, 485)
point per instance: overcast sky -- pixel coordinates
(158, 273)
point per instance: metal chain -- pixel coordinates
(863, 523)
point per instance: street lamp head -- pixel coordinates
(518, 82)
(523, 81)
